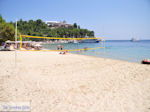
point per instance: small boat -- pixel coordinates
(135, 40)
(90, 41)
(146, 61)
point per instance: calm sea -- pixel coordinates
(115, 49)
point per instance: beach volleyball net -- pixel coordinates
(37, 43)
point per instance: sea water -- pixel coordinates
(115, 49)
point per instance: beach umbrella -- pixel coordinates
(8, 41)
(37, 45)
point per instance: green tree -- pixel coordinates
(7, 30)
(75, 25)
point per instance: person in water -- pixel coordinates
(60, 47)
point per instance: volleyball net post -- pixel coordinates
(20, 42)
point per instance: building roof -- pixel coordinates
(52, 22)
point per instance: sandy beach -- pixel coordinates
(74, 83)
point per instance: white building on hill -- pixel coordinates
(57, 24)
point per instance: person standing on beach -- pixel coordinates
(61, 48)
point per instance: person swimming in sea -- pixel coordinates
(60, 47)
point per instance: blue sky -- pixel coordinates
(113, 19)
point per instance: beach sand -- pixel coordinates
(74, 83)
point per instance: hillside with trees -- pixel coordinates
(40, 28)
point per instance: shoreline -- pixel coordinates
(107, 58)
(75, 54)
(86, 55)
